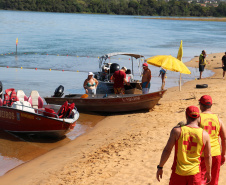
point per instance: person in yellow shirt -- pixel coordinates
(189, 141)
(215, 128)
(202, 63)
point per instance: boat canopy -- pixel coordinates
(121, 53)
(132, 55)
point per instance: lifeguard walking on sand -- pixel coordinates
(215, 128)
(190, 141)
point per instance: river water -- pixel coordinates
(60, 48)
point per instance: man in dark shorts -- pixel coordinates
(119, 78)
(202, 62)
(224, 64)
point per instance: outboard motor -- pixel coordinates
(114, 67)
(59, 91)
(1, 89)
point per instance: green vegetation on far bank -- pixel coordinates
(119, 7)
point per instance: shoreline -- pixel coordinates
(124, 149)
(215, 19)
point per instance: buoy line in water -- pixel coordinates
(16, 67)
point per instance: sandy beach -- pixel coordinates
(124, 149)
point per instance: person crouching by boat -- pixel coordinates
(146, 78)
(162, 73)
(119, 78)
(90, 84)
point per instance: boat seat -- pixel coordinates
(35, 100)
(21, 96)
(23, 105)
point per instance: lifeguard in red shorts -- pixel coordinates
(190, 141)
(215, 128)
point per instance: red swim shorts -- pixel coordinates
(176, 179)
(216, 164)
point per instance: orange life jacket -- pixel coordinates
(9, 97)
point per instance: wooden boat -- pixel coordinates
(32, 117)
(111, 102)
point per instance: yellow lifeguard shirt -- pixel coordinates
(210, 123)
(188, 149)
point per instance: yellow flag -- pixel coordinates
(16, 41)
(180, 52)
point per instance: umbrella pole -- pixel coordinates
(180, 83)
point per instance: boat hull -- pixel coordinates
(14, 120)
(112, 103)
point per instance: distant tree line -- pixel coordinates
(119, 7)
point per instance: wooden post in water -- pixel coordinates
(16, 45)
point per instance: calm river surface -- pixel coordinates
(73, 43)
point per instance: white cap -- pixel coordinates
(124, 68)
(90, 73)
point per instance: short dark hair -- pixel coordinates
(206, 106)
(191, 119)
(128, 71)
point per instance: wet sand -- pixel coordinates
(16, 149)
(124, 149)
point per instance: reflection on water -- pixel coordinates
(8, 163)
(16, 149)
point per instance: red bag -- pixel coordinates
(49, 112)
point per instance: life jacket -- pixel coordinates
(70, 108)
(9, 97)
(63, 109)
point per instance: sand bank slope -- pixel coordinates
(124, 149)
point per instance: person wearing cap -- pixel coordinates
(146, 78)
(90, 84)
(190, 141)
(202, 62)
(224, 64)
(215, 128)
(119, 78)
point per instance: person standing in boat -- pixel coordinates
(146, 78)
(119, 78)
(90, 84)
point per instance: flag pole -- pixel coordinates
(179, 57)
(180, 83)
